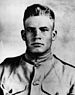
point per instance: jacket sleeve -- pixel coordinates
(1, 75)
(1, 72)
(72, 83)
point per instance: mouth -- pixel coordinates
(37, 44)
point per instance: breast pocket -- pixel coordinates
(13, 90)
(47, 89)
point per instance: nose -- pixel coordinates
(37, 34)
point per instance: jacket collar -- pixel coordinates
(37, 61)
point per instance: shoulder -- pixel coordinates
(67, 70)
(10, 64)
(11, 61)
(63, 62)
(64, 67)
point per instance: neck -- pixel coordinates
(38, 57)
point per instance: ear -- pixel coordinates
(23, 34)
(54, 33)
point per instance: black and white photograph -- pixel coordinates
(37, 47)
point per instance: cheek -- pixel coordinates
(48, 37)
(28, 36)
(48, 41)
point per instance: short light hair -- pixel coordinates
(36, 10)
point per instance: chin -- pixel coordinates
(37, 51)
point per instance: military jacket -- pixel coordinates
(46, 76)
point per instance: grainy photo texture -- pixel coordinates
(37, 47)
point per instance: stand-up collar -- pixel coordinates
(38, 60)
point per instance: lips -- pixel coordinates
(37, 44)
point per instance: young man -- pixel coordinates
(38, 71)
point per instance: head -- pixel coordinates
(38, 33)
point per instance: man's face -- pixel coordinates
(38, 33)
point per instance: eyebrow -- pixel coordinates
(35, 27)
(30, 27)
(44, 27)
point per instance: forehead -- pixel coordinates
(38, 21)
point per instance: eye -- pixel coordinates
(43, 29)
(30, 29)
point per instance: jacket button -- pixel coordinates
(35, 83)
